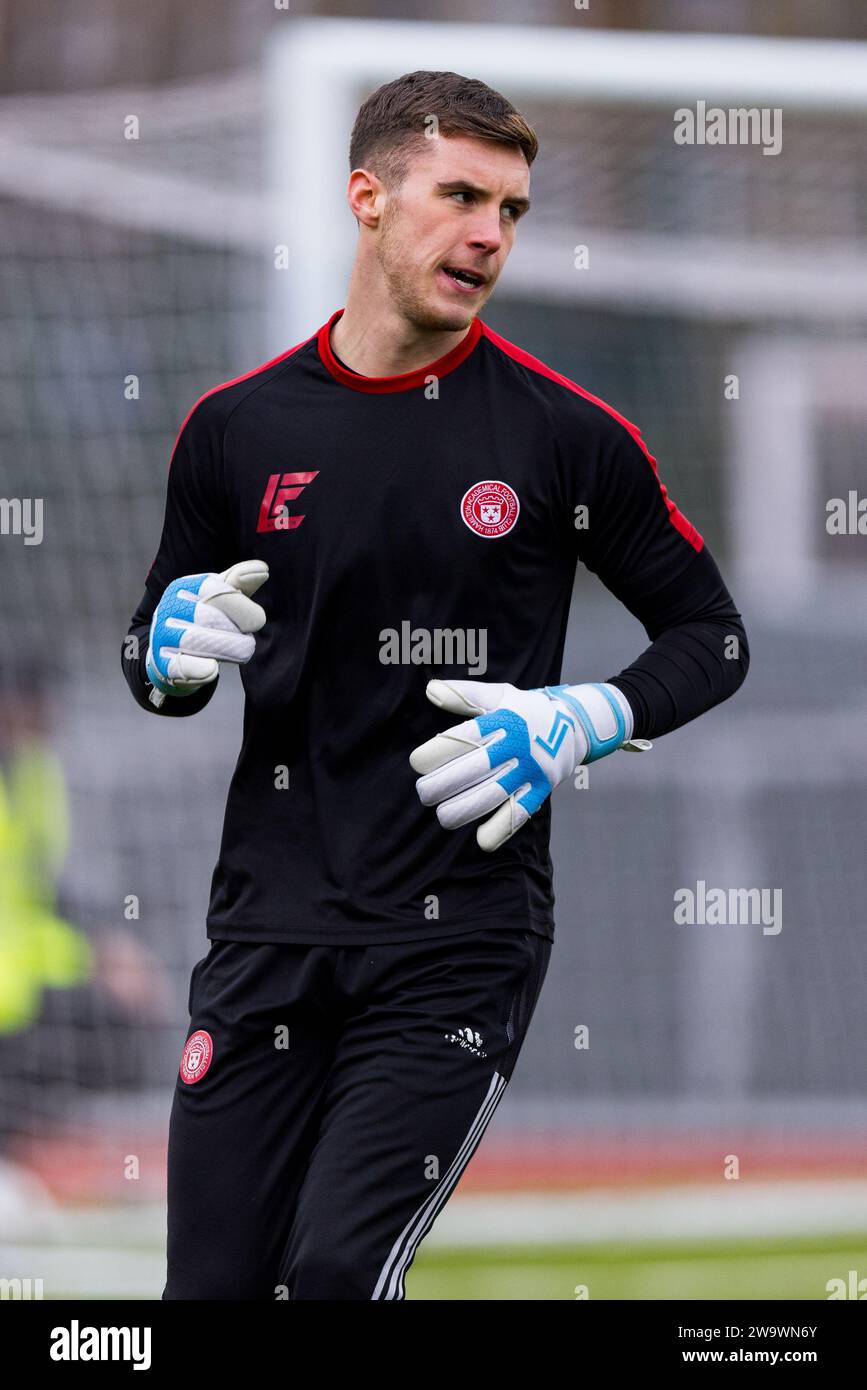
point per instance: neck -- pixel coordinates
(372, 337)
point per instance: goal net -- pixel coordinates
(140, 254)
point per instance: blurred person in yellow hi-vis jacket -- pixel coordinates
(81, 1000)
(38, 950)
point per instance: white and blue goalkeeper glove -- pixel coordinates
(200, 620)
(517, 748)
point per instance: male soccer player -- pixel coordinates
(403, 476)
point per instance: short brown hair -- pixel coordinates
(395, 117)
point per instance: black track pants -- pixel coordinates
(329, 1099)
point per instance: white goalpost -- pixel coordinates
(318, 72)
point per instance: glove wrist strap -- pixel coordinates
(603, 713)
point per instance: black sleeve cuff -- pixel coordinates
(699, 654)
(173, 706)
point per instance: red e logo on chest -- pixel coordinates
(282, 488)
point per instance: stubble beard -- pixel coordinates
(403, 283)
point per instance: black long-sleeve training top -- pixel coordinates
(454, 500)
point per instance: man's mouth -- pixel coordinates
(466, 279)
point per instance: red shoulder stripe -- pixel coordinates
(677, 518)
(245, 376)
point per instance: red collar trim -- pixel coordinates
(407, 380)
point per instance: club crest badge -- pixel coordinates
(490, 509)
(196, 1056)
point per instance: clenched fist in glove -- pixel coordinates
(200, 620)
(519, 745)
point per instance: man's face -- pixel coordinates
(447, 230)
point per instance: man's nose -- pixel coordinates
(486, 234)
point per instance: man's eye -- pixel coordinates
(461, 193)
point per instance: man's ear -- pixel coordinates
(365, 194)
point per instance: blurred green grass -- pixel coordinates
(111, 1253)
(781, 1269)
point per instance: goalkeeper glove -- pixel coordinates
(202, 619)
(514, 752)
